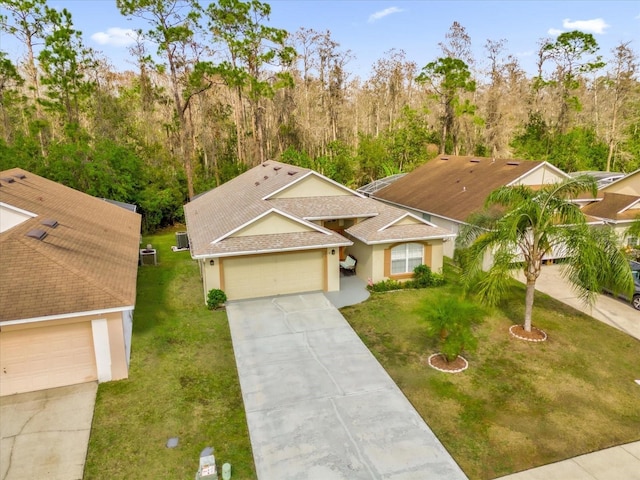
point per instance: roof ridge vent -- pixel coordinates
(8, 179)
(444, 158)
(475, 160)
(37, 234)
(49, 222)
(512, 163)
(291, 172)
(276, 168)
(20, 176)
(265, 164)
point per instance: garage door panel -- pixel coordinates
(267, 275)
(46, 357)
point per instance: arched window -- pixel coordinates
(406, 257)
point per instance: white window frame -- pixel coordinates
(407, 254)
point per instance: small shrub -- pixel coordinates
(451, 320)
(423, 277)
(385, 286)
(215, 298)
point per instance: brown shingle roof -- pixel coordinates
(238, 202)
(614, 206)
(455, 187)
(88, 262)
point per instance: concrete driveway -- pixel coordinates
(319, 405)
(607, 309)
(45, 434)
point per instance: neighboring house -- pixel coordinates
(602, 178)
(618, 204)
(449, 188)
(67, 285)
(280, 229)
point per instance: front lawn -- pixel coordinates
(519, 405)
(182, 383)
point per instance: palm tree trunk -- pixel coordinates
(528, 304)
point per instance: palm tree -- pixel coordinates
(521, 225)
(634, 228)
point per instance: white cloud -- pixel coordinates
(596, 25)
(117, 37)
(554, 32)
(383, 13)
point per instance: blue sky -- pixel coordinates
(369, 28)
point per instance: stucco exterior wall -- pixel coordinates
(332, 267)
(363, 253)
(629, 185)
(210, 275)
(312, 186)
(272, 223)
(541, 176)
(437, 248)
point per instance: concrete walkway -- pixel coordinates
(352, 291)
(319, 405)
(616, 463)
(45, 434)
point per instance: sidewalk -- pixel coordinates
(616, 463)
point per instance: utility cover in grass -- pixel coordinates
(172, 442)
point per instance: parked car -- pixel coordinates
(635, 271)
(635, 299)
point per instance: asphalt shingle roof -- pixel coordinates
(88, 262)
(612, 205)
(456, 187)
(229, 207)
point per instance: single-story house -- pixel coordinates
(280, 229)
(449, 188)
(67, 285)
(618, 205)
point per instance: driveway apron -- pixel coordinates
(319, 405)
(45, 434)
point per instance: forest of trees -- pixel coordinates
(222, 90)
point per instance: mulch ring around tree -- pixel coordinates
(439, 362)
(535, 335)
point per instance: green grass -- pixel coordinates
(182, 383)
(519, 405)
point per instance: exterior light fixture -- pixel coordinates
(212, 262)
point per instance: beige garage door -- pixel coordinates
(46, 357)
(266, 275)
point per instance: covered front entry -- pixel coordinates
(46, 357)
(274, 274)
